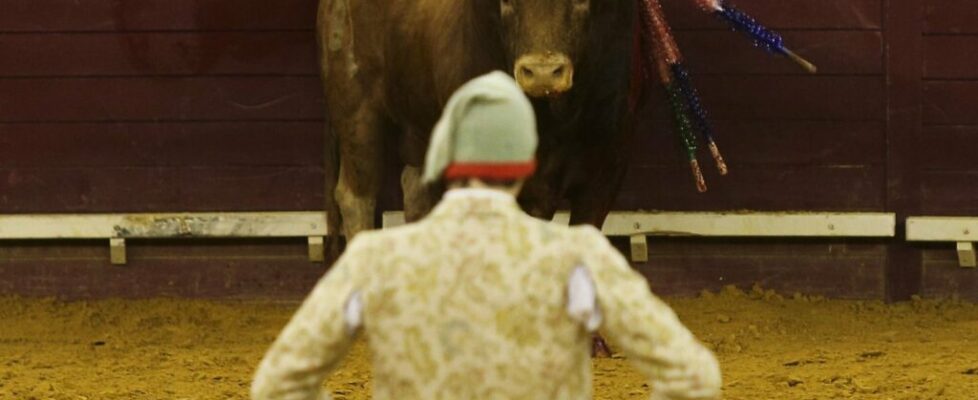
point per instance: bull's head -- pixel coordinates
(544, 39)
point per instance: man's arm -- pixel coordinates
(316, 338)
(648, 331)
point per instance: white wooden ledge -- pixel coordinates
(960, 230)
(638, 225)
(118, 227)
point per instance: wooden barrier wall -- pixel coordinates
(215, 105)
(947, 143)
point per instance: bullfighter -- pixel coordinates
(478, 300)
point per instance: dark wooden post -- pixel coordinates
(903, 38)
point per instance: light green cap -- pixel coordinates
(488, 129)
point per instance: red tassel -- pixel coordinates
(655, 21)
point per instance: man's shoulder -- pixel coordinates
(587, 232)
(572, 233)
(387, 235)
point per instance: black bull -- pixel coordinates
(389, 66)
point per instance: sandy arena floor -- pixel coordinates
(770, 348)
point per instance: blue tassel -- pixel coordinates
(693, 103)
(698, 117)
(762, 36)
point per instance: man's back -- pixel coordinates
(470, 303)
(478, 300)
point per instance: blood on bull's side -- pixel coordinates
(390, 65)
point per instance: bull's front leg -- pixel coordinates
(361, 147)
(538, 198)
(598, 177)
(593, 198)
(590, 205)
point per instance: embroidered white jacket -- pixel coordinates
(481, 301)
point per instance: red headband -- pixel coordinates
(488, 170)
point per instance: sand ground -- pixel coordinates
(770, 347)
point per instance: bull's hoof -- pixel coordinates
(600, 349)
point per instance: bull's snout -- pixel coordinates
(544, 75)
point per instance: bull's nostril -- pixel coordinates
(544, 74)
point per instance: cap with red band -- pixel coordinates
(487, 130)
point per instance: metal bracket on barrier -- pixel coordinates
(317, 251)
(640, 248)
(117, 251)
(966, 255)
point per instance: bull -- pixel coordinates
(389, 66)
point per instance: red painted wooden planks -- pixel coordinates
(94, 250)
(159, 189)
(904, 52)
(951, 57)
(764, 99)
(686, 266)
(161, 99)
(249, 268)
(845, 98)
(154, 53)
(949, 148)
(155, 144)
(278, 269)
(209, 53)
(951, 16)
(772, 143)
(950, 103)
(943, 276)
(785, 14)
(211, 277)
(949, 192)
(835, 53)
(116, 15)
(155, 15)
(262, 98)
(817, 188)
